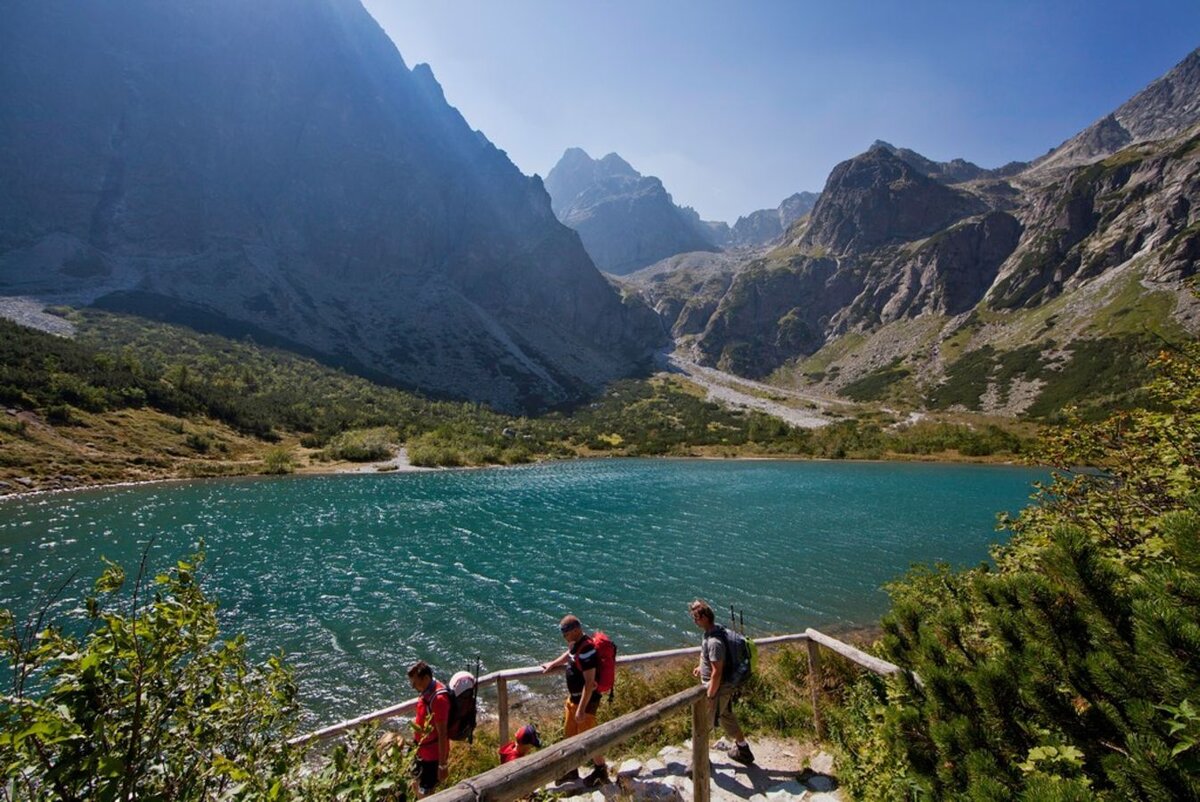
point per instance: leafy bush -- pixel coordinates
(278, 461)
(361, 445)
(148, 704)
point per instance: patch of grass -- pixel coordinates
(875, 385)
(831, 352)
(1101, 375)
(966, 380)
(1136, 310)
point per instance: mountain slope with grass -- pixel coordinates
(929, 285)
(130, 400)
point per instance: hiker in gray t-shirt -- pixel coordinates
(720, 697)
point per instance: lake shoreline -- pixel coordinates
(400, 465)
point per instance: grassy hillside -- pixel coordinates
(1087, 348)
(128, 399)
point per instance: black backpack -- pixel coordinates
(737, 667)
(460, 724)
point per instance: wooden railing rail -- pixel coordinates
(521, 777)
(500, 680)
(817, 639)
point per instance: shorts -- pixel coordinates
(427, 775)
(573, 727)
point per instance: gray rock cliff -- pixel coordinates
(275, 168)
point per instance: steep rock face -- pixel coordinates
(1166, 108)
(685, 289)
(884, 242)
(625, 220)
(275, 168)
(783, 307)
(774, 310)
(1142, 201)
(1136, 213)
(796, 206)
(879, 199)
(952, 285)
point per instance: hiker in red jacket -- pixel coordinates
(430, 732)
(579, 712)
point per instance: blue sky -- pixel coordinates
(736, 105)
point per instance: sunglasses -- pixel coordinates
(565, 628)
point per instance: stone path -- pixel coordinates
(779, 774)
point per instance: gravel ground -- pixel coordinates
(732, 391)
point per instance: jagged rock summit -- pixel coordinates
(275, 169)
(1166, 108)
(625, 220)
(877, 199)
(1012, 290)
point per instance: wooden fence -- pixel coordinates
(501, 679)
(521, 777)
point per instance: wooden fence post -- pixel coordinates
(502, 707)
(700, 769)
(814, 685)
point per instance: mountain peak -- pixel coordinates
(615, 165)
(879, 198)
(625, 220)
(385, 206)
(1167, 107)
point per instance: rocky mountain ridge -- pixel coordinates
(765, 226)
(628, 221)
(276, 170)
(1166, 108)
(909, 274)
(625, 220)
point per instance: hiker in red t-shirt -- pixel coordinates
(430, 732)
(579, 712)
(527, 738)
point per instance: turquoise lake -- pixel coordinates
(355, 576)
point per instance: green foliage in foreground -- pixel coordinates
(150, 703)
(1070, 671)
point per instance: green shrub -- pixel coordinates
(361, 445)
(1066, 667)
(278, 461)
(148, 704)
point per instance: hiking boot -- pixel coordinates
(741, 753)
(570, 777)
(597, 778)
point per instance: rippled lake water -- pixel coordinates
(355, 576)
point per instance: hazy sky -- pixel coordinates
(736, 105)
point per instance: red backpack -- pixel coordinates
(606, 658)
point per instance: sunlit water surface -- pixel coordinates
(355, 576)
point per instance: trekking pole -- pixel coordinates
(732, 618)
(475, 694)
(742, 621)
